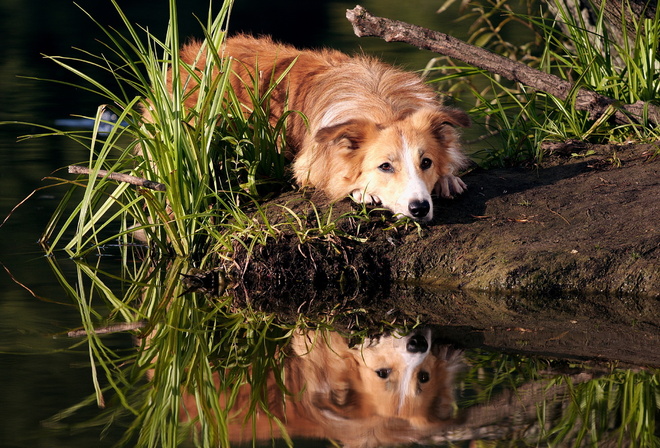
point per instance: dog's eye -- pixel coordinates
(383, 373)
(423, 377)
(386, 167)
(426, 163)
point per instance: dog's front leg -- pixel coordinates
(449, 185)
(362, 196)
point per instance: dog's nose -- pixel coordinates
(417, 344)
(419, 209)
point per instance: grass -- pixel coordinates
(213, 159)
(173, 152)
(518, 120)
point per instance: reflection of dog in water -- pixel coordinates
(389, 390)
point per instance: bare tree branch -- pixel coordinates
(139, 181)
(366, 24)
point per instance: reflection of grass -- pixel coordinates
(192, 339)
(619, 408)
(187, 339)
(191, 345)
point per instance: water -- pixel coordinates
(42, 371)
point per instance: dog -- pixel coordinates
(369, 131)
(388, 390)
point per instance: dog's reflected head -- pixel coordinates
(409, 377)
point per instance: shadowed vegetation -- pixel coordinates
(520, 120)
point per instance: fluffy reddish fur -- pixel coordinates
(361, 114)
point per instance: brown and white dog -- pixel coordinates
(374, 132)
(387, 391)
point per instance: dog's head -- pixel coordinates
(396, 165)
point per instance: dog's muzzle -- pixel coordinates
(417, 344)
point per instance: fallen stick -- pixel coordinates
(365, 24)
(133, 180)
(110, 329)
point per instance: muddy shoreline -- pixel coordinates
(561, 260)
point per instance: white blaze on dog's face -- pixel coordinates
(397, 165)
(401, 166)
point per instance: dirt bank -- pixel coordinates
(577, 224)
(587, 224)
(565, 257)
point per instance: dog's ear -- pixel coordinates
(340, 394)
(350, 134)
(341, 403)
(443, 121)
(440, 119)
(453, 117)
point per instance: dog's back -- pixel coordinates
(328, 86)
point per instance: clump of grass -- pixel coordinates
(172, 151)
(518, 120)
(215, 160)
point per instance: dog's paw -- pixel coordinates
(449, 186)
(362, 197)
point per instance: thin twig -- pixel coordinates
(15, 280)
(109, 329)
(557, 213)
(133, 180)
(16, 206)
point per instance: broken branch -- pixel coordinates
(133, 180)
(366, 24)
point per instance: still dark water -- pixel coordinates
(41, 371)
